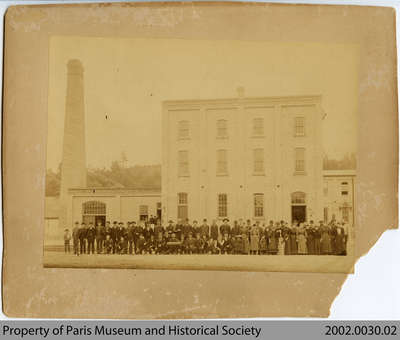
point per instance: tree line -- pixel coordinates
(149, 176)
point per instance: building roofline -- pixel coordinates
(338, 173)
(299, 99)
(114, 189)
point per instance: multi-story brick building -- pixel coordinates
(258, 158)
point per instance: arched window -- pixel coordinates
(298, 197)
(94, 208)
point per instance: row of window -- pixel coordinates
(222, 162)
(297, 198)
(97, 208)
(257, 128)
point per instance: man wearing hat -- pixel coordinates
(214, 232)
(186, 229)
(158, 230)
(170, 226)
(129, 237)
(195, 228)
(225, 227)
(137, 231)
(67, 239)
(75, 238)
(205, 229)
(91, 235)
(113, 235)
(99, 237)
(82, 238)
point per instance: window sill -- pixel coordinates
(300, 173)
(257, 136)
(302, 135)
(222, 137)
(222, 175)
(258, 174)
(183, 175)
(183, 138)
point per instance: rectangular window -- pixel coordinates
(345, 214)
(299, 129)
(258, 127)
(325, 214)
(345, 188)
(183, 163)
(258, 205)
(222, 205)
(182, 206)
(143, 212)
(222, 162)
(222, 128)
(300, 160)
(183, 129)
(258, 155)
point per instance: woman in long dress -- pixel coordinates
(326, 248)
(272, 246)
(246, 244)
(301, 240)
(293, 240)
(254, 239)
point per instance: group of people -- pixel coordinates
(246, 238)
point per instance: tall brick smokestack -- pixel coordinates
(73, 167)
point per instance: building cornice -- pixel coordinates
(194, 104)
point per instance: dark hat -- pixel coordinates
(194, 221)
(170, 221)
(83, 223)
(225, 219)
(133, 222)
(247, 220)
(66, 229)
(115, 222)
(204, 220)
(121, 223)
(76, 222)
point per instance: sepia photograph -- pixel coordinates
(219, 153)
(200, 160)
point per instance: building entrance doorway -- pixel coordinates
(299, 208)
(298, 213)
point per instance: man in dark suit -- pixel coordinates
(75, 238)
(214, 231)
(205, 229)
(129, 237)
(137, 231)
(91, 235)
(99, 237)
(225, 228)
(186, 229)
(195, 229)
(82, 238)
(113, 236)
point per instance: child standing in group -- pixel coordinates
(67, 240)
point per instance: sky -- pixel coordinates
(127, 80)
